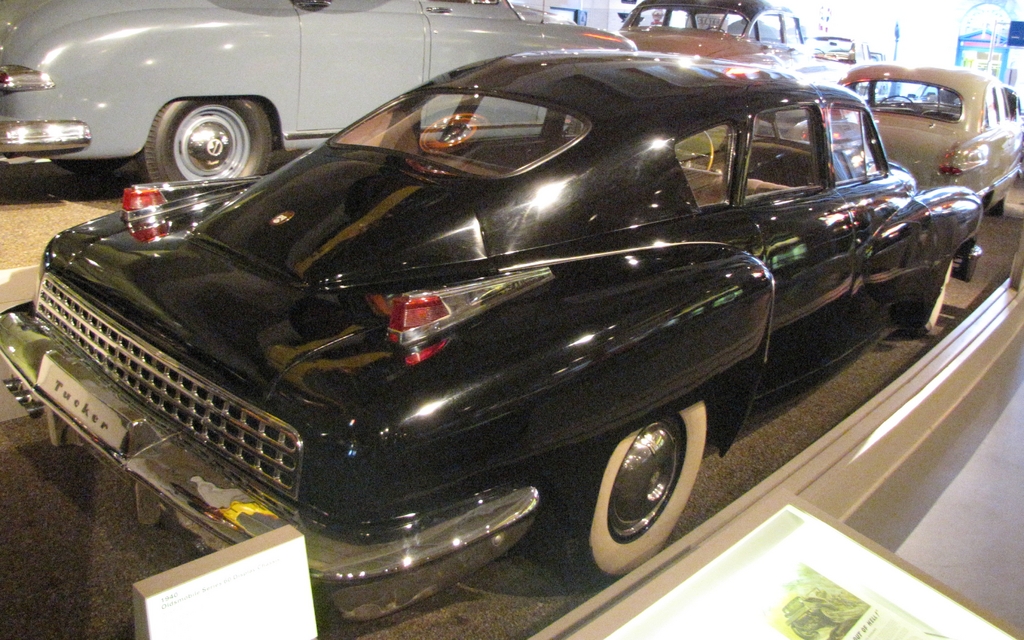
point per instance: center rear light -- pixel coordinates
(419, 320)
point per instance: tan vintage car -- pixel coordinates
(946, 126)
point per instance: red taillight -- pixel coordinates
(136, 198)
(419, 319)
(409, 313)
(420, 355)
(150, 232)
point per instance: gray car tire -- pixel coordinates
(203, 140)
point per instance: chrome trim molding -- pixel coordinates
(15, 77)
(33, 136)
(310, 135)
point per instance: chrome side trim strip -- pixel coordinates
(310, 135)
(35, 136)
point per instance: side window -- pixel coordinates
(1012, 104)
(792, 33)
(679, 19)
(862, 89)
(991, 109)
(782, 152)
(706, 160)
(769, 28)
(734, 24)
(653, 18)
(855, 152)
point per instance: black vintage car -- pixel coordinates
(550, 279)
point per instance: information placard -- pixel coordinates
(258, 588)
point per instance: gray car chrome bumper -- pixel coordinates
(43, 137)
(388, 569)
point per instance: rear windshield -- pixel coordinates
(911, 98)
(682, 17)
(468, 133)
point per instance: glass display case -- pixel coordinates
(793, 575)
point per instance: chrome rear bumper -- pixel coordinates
(390, 567)
(42, 137)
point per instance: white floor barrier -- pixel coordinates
(16, 286)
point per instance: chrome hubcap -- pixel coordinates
(212, 142)
(645, 480)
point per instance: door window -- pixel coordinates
(1012, 104)
(782, 152)
(855, 149)
(991, 109)
(769, 28)
(792, 35)
(706, 161)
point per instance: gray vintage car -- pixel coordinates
(202, 89)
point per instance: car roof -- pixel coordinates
(612, 85)
(748, 8)
(961, 80)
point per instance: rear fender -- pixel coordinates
(957, 211)
(907, 256)
(605, 342)
(693, 328)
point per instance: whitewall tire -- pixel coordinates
(646, 483)
(933, 317)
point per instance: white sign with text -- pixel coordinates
(255, 589)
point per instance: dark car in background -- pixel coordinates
(546, 282)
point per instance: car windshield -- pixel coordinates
(683, 17)
(834, 48)
(911, 98)
(468, 133)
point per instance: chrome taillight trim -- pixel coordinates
(251, 439)
(15, 77)
(466, 300)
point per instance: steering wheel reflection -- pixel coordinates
(450, 132)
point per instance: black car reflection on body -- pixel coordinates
(550, 277)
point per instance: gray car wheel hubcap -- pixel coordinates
(644, 481)
(212, 142)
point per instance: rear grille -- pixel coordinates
(248, 437)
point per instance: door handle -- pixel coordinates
(440, 10)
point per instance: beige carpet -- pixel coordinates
(38, 200)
